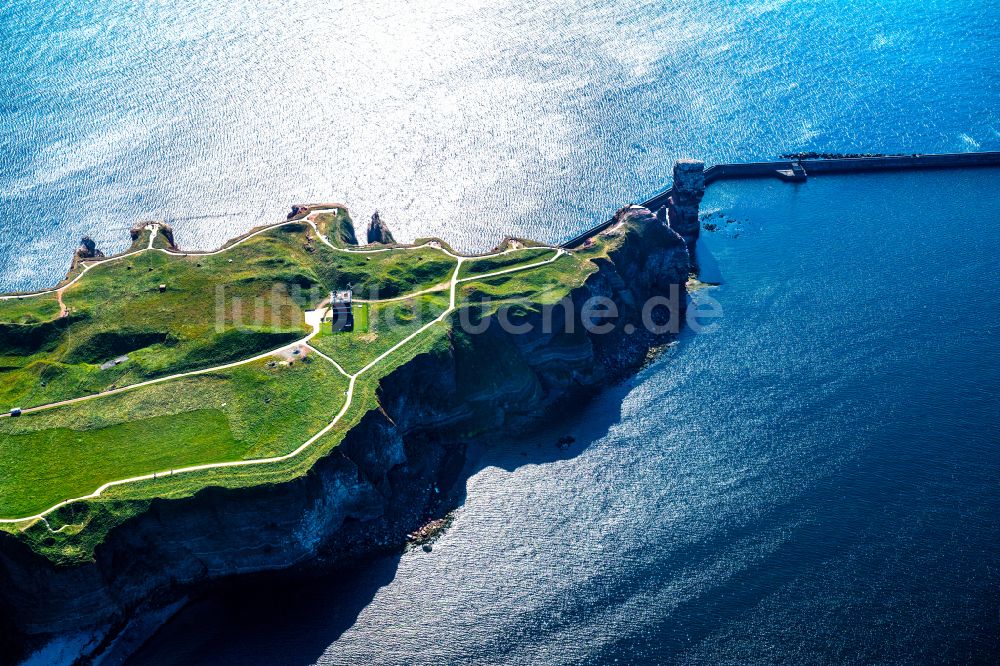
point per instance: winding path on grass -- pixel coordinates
(314, 319)
(154, 229)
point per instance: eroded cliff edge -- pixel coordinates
(382, 481)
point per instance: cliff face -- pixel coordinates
(87, 250)
(167, 232)
(382, 481)
(345, 233)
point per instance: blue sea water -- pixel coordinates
(815, 481)
(470, 120)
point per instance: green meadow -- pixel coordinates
(250, 411)
(383, 326)
(154, 315)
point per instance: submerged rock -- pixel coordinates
(429, 532)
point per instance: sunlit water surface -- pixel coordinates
(470, 120)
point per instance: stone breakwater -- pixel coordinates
(790, 170)
(390, 475)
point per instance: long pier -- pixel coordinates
(800, 170)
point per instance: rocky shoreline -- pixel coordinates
(390, 480)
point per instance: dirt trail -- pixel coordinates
(63, 310)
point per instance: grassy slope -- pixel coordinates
(117, 309)
(337, 227)
(36, 475)
(246, 412)
(141, 241)
(84, 524)
(31, 310)
(523, 257)
(378, 275)
(160, 241)
(543, 285)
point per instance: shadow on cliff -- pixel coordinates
(585, 423)
(266, 619)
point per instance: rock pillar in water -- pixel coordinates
(682, 207)
(88, 249)
(378, 232)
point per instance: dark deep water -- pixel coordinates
(815, 481)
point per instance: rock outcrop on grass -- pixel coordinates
(137, 229)
(344, 233)
(163, 229)
(167, 232)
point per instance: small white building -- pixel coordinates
(341, 313)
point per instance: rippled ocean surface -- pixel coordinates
(813, 482)
(470, 120)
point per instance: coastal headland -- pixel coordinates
(174, 419)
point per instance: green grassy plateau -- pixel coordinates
(122, 328)
(250, 411)
(524, 257)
